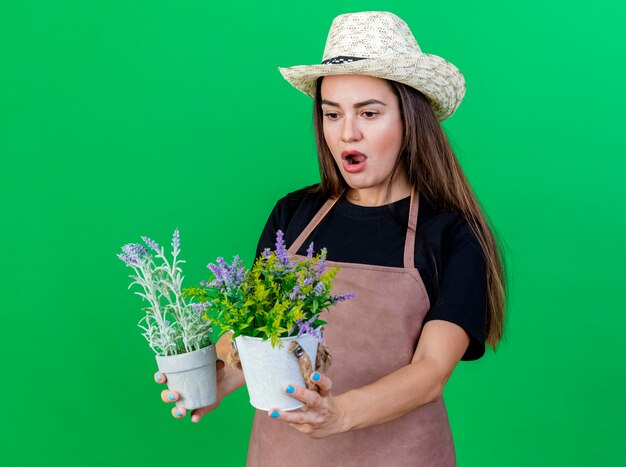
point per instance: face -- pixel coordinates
(363, 130)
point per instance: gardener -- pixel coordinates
(398, 215)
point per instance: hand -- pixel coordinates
(169, 397)
(320, 417)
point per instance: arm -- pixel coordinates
(440, 348)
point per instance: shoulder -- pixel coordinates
(299, 205)
(450, 229)
(304, 196)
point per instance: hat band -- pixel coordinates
(341, 59)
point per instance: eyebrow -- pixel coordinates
(357, 105)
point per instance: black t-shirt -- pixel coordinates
(447, 254)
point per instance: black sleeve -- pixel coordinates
(462, 291)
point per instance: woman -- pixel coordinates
(398, 215)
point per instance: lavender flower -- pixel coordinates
(216, 270)
(319, 288)
(309, 252)
(344, 296)
(200, 307)
(308, 281)
(305, 327)
(266, 253)
(152, 244)
(176, 240)
(133, 254)
(294, 293)
(281, 252)
(322, 265)
(227, 276)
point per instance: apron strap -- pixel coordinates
(409, 242)
(295, 246)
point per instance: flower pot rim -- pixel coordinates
(281, 338)
(187, 353)
(189, 360)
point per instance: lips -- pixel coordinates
(353, 161)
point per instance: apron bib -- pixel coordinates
(369, 337)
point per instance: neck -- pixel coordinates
(377, 196)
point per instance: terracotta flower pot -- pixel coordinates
(269, 369)
(192, 375)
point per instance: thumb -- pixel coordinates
(197, 414)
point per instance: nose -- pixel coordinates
(350, 131)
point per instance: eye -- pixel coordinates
(369, 114)
(331, 115)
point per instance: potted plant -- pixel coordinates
(175, 327)
(266, 309)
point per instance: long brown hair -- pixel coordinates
(433, 168)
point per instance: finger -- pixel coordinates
(179, 412)
(310, 398)
(169, 396)
(197, 414)
(219, 365)
(295, 417)
(323, 382)
(160, 378)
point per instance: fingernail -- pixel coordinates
(171, 397)
(195, 418)
(158, 376)
(316, 376)
(179, 413)
(275, 414)
(289, 390)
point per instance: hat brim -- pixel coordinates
(439, 80)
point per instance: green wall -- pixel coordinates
(120, 119)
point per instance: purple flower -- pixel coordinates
(133, 254)
(322, 265)
(308, 281)
(309, 252)
(281, 252)
(305, 327)
(227, 276)
(319, 288)
(294, 293)
(344, 296)
(199, 307)
(266, 253)
(176, 240)
(152, 244)
(216, 270)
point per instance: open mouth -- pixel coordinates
(353, 161)
(353, 157)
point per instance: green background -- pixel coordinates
(120, 119)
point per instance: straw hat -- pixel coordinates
(380, 44)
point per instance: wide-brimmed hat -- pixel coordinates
(378, 43)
